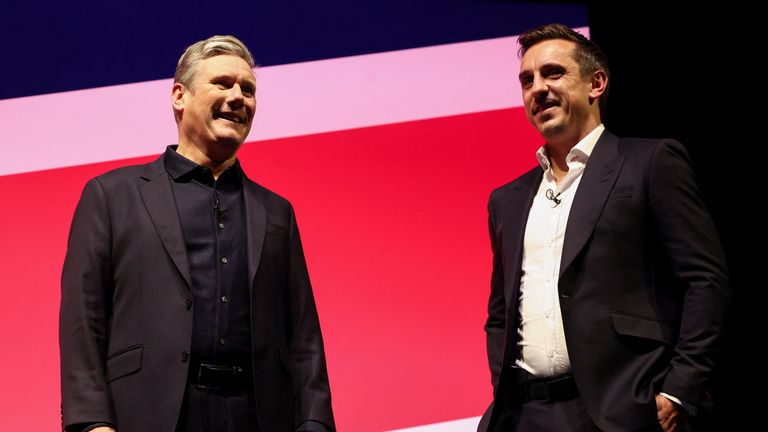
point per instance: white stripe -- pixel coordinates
(463, 425)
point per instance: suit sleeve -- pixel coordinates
(689, 239)
(307, 355)
(86, 287)
(495, 325)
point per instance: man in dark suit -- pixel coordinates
(608, 291)
(186, 303)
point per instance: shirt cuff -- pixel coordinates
(86, 427)
(688, 407)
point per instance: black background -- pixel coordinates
(693, 74)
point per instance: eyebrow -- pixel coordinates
(545, 66)
(524, 74)
(249, 81)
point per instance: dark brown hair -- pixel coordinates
(586, 54)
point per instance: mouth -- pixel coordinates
(545, 106)
(230, 116)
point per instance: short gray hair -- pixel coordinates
(211, 47)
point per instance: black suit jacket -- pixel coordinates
(126, 309)
(642, 286)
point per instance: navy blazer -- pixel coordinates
(126, 309)
(642, 286)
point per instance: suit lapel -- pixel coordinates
(596, 183)
(256, 226)
(520, 201)
(158, 199)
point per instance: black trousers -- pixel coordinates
(545, 416)
(208, 411)
(551, 416)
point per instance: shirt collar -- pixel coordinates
(579, 153)
(181, 168)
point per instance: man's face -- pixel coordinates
(217, 109)
(556, 96)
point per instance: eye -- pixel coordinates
(526, 81)
(222, 82)
(553, 72)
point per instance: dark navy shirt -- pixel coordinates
(212, 215)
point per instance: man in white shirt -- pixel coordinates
(609, 291)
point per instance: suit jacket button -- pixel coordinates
(188, 303)
(184, 356)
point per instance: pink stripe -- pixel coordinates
(131, 120)
(384, 88)
(86, 126)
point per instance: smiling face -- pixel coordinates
(560, 101)
(215, 112)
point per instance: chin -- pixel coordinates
(231, 137)
(550, 127)
(552, 133)
(230, 143)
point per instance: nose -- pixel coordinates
(235, 96)
(539, 87)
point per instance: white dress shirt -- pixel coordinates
(542, 339)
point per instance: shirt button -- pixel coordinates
(551, 353)
(547, 314)
(224, 260)
(222, 341)
(188, 302)
(224, 299)
(184, 356)
(221, 225)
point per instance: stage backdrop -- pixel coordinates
(387, 124)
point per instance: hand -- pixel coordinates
(671, 416)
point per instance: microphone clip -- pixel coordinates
(550, 194)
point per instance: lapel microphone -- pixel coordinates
(552, 197)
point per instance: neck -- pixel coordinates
(559, 146)
(557, 162)
(216, 163)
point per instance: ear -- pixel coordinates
(178, 98)
(598, 84)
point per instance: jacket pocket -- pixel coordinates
(124, 362)
(621, 192)
(277, 229)
(641, 327)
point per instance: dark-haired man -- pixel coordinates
(608, 291)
